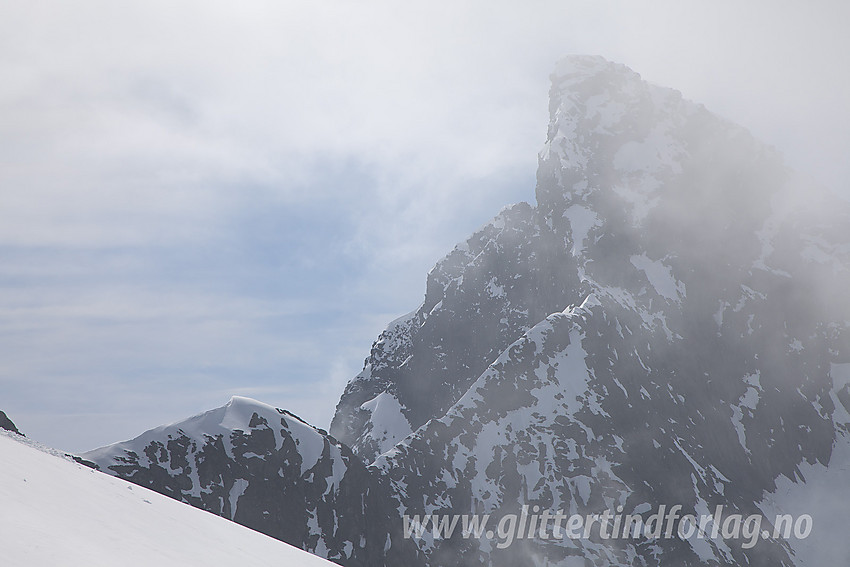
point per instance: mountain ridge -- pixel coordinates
(665, 325)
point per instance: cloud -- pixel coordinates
(240, 197)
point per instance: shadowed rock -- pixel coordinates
(6, 423)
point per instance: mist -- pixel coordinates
(197, 200)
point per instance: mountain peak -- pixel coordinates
(239, 414)
(611, 130)
(243, 400)
(585, 66)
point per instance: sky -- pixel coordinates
(205, 199)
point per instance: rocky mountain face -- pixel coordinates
(479, 299)
(666, 326)
(6, 423)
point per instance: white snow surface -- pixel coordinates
(840, 375)
(582, 221)
(57, 512)
(389, 426)
(660, 276)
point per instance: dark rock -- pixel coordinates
(6, 423)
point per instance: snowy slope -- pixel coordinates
(57, 512)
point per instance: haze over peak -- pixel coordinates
(661, 327)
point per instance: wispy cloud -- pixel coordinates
(197, 198)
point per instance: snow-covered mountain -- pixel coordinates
(665, 326)
(58, 512)
(266, 469)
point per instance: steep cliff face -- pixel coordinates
(666, 326)
(479, 299)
